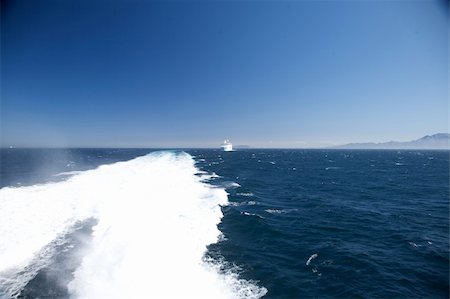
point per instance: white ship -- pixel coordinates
(227, 146)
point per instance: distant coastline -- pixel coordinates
(439, 141)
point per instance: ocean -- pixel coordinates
(202, 223)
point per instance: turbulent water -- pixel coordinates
(110, 223)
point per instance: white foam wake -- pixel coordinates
(155, 219)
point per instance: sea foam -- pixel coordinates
(154, 216)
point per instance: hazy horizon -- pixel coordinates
(186, 74)
(239, 146)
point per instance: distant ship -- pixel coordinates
(227, 146)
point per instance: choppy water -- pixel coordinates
(295, 224)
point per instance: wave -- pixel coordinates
(311, 258)
(206, 177)
(280, 211)
(246, 194)
(332, 168)
(230, 185)
(154, 220)
(68, 173)
(242, 203)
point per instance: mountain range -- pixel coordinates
(436, 141)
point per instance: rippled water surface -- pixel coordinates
(297, 223)
(378, 221)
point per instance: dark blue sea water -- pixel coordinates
(298, 223)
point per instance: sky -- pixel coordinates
(130, 73)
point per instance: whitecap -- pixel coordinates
(231, 185)
(208, 176)
(246, 194)
(68, 173)
(243, 203)
(274, 211)
(252, 214)
(311, 258)
(280, 211)
(332, 168)
(413, 244)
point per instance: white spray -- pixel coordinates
(155, 219)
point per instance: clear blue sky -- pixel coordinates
(262, 73)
